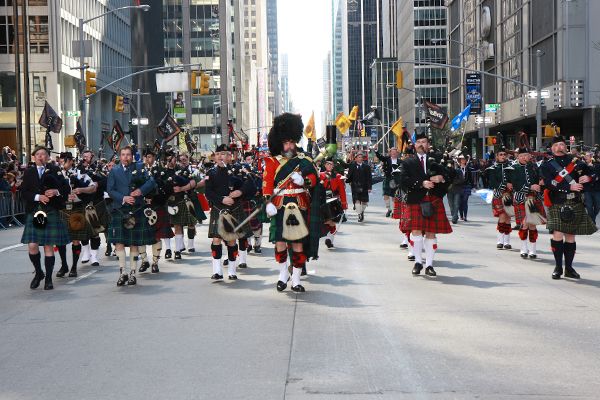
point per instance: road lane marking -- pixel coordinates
(11, 247)
(82, 277)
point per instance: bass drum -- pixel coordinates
(332, 210)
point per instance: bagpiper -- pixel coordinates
(425, 181)
(390, 164)
(564, 178)
(287, 179)
(128, 184)
(45, 191)
(502, 208)
(335, 203)
(361, 183)
(225, 191)
(527, 201)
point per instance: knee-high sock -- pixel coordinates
(418, 248)
(62, 252)
(411, 244)
(387, 203)
(76, 250)
(298, 264)
(37, 263)
(191, 234)
(217, 253)
(122, 261)
(133, 252)
(142, 253)
(569, 250)
(85, 252)
(49, 265)
(557, 247)
(404, 239)
(179, 242)
(167, 243)
(429, 251)
(156, 249)
(94, 246)
(363, 206)
(232, 253)
(296, 276)
(243, 251)
(533, 236)
(281, 258)
(257, 237)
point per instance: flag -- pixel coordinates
(309, 130)
(413, 138)
(343, 123)
(79, 137)
(353, 114)
(189, 142)
(437, 115)
(116, 136)
(50, 119)
(361, 128)
(460, 118)
(168, 128)
(397, 128)
(404, 141)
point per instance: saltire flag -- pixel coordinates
(79, 137)
(343, 123)
(353, 114)
(413, 138)
(116, 136)
(309, 130)
(463, 116)
(168, 128)
(397, 128)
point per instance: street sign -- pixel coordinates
(492, 107)
(87, 48)
(473, 92)
(532, 94)
(73, 113)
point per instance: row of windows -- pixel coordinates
(430, 17)
(31, 3)
(429, 3)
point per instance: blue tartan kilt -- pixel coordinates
(140, 235)
(54, 234)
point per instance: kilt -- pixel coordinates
(183, 217)
(249, 207)
(84, 234)
(521, 214)
(54, 234)
(162, 228)
(103, 217)
(498, 207)
(238, 213)
(387, 190)
(582, 224)
(414, 220)
(140, 235)
(398, 208)
(276, 228)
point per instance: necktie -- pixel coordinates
(40, 171)
(422, 162)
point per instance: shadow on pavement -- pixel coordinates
(324, 298)
(330, 280)
(348, 250)
(255, 285)
(453, 265)
(466, 281)
(587, 282)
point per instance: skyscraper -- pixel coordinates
(272, 34)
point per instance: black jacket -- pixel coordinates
(388, 166)
(32, 185)
(412, 177)
(360, 180)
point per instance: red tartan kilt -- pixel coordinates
(203, 202)
(397, 213)
(521, 214)
(162, 228)
(437, 223)
(498, 207)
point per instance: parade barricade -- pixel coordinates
(18, 208)
(11, 207)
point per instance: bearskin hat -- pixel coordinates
(285, 127)
(558, 139)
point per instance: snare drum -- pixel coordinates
(332, 209)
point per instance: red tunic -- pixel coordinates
(336, 185)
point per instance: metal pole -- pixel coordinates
(19, 121)
(26, 78)
(139, 115)
(82, 83)
(538, 114)
(483, 128)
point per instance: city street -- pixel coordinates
(489, 326)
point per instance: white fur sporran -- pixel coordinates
(294, 226)
(533, 218)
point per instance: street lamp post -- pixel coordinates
(538, 113)
(82, 67)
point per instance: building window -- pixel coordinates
(38, 34)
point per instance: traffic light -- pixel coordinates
(194, 82)
(119, 104)
(204, 85)
(490, 140)
(399, 79)
(90, 82)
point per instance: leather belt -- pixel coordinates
(287, 192)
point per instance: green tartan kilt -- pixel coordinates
(276, 228)
(54, 234)
(140, 235)
(387, 190)
(582, 224)
(84, 234)
(183, 217)
(238, 213)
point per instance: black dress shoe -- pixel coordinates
(108, 251)
(429, 271)
(226, 261)
(155, 268)
(144, 267)
(243, 265)
(177, 255)
(455, 221)
(524, 255)
(232, 277)
(411, 258)
(388, 213)
(303, 272)
(73, 272)
(417, 269)
(123, 278)
(571, 273)
(500, 246)
(404, 246)
(48, 283)
(257, 250)
(507, 247)
(216, 277)
(328, 243)
(557, 273)
(95, 264)
(62, 271)
(37, 279)
(361, 217)
(281, 286)
(192, 250)
(298, 289)
(533, 256)
(132, 280)
(168, 254)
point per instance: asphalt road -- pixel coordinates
(490, 326)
